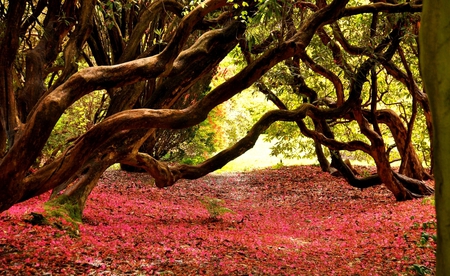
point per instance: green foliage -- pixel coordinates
(429, 200)
(429, 225)
(392, 93)
(268, 10)
(215, 207)
(112, 10)
(365, 173)
(425, 238)
(279, 165)
(288, 141)
(192, 5)
(190, 146)
(236, 116)
(420, 270)
(76, 120)
(421, 139)
(203, 143)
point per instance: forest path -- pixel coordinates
(289, 221)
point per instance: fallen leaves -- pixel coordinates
(290, 221)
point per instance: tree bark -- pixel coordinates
(180, 80)
(45, 52)
(9, 115)
(170, 70)
(177, 83)
(435, 65)
(413, 165)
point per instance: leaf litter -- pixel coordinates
(289, 221)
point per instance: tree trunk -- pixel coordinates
(8, 48)
(79, 192)
(401, 191)
(413, 167)
(321, 158)
(416, 93)
(435, 65)
(172, 70)
(179, 81)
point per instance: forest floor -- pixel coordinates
(289, 221)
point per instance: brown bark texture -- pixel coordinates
(148, 57)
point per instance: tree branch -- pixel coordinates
(383, 7)
(50, 108)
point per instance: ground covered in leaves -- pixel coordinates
(290, 221)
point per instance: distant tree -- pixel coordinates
(147, 56)
(435, 63)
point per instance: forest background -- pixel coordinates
(179, 89)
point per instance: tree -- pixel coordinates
(147, 56)
(435, 63)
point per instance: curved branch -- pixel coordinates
(208, 50)
(45, 52)
(350, 177)
(414, 90)
(53, 174)
(383, 7)
(76, 42)
(187, 24)
(335, 80)
(354, 50)
(85, 81)
(399, 132)
(147, 16)
(332, 143)
(336, 51)
(167, 175)
(417, 187)
(37, 10)
(42, 120)
(190, 65)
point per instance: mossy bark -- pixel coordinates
(65, 206)
(435, 66)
